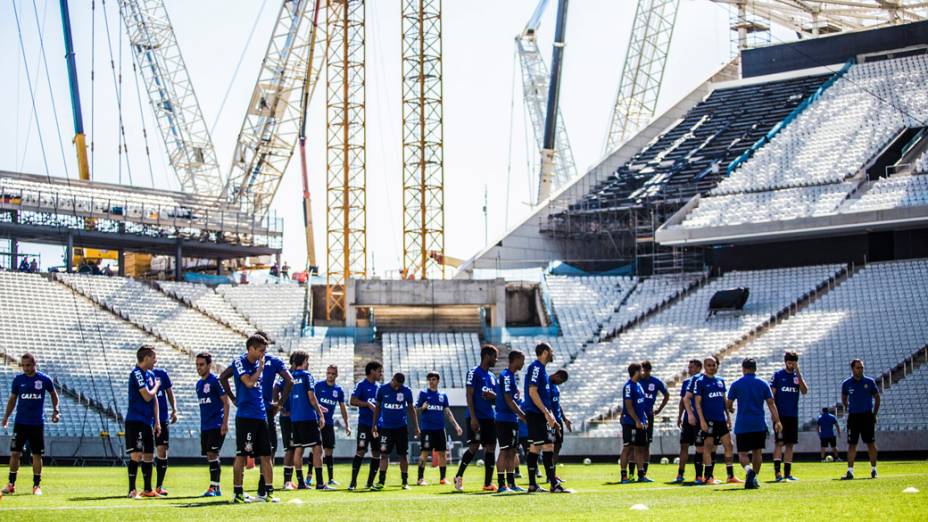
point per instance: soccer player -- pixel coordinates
(331, 395)
(540, 420)
(251, 431)
(286, 431)
(433, 409)
(651, 386)
(363, 398)
(634, 425)
(143, 421)
(557, 379)
(481, 424)
(524, 442)
(750, 428)
(306, 416)
(162, 440)
(686, 421)
(394, 410)
(714, 422)
(827, 424)
(508, 414)
(214, 420)
(29, 388)
(787, 384)
(276, 368)
(861, 399)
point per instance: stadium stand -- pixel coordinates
(208, 301)
(903, 405)
(892, 192)
(452, 355)
(276, 309)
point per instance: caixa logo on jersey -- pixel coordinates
(30, 396)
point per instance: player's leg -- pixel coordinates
(401, 441)
(729, 460)
(15, 457)
(788, 461)
(440, 448)
(821, 452)
(834, 448)
(148, 460)
(473, 445)
(317, 466)
(777, 457)
(238, 479)
(271, 437)
(425, 447)
(376, 458)
(853, 436)
(265, 450)
(625, 456)
(215, 473)
(36, 472)
(488, 440)
(681, 467)
(161, 467)
(297, 460)
(360, 451)
(386, 446)
(707, 458)
(870, 440)
(329, 461)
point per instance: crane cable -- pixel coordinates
(121, 145)
(32, 92)
(51, 94)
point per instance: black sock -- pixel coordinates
(355, 468)
(288, 474)
(645, 468)
(161, 469)
(383, 477)
(631, 469)
(710, 470)
(697, 463)
(730, 470)
(146, 474)
(319, 481)
(776, 466)
(518, 472)
(547, 457)
(300, 482)
(268, 490)
(36, 480)
(372, 471)
(511, 479)
(214, 472)
(405, 475)
(421, 470)
(681, 469)
(488, 468)
(133, 472)
(238, 490)
(787, 468)
(500, 479)
(13, 477)
(329, 461)
(442, 471)
(261, 486)
(532, 465)
(465, 460)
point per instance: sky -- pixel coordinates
(489, 146)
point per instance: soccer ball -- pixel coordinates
(560, 464)
(587, 461)
(665, 460)
(829, 458)
(676, 460)
(480, 462)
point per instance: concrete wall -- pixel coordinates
(398, 292)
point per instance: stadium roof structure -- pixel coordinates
(821, 17)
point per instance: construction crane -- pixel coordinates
(536, 84)
(80, 140)
(166, 82)
(271, 127)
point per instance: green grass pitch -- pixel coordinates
(74, 494)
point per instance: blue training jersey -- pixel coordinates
(826, 425)
(394, 406)
(433, 418)
(480, 381)
(651, 386)
(633, 392)
(161, 376)
(209, 395)
(301, 410)
(537, 376)
(139, 409)
(556, 403)
(507, 386)
(30, 393)
(272, 366)
(249, 402)
(365, 391)
(329, 397)
(687, 386)
(712, 391)
(750, 394)
(786, 392)
(284, 401)
(859, 394)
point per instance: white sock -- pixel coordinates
(747, 468)
(850, 469)
(872, 468)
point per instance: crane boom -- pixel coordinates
(170, 93)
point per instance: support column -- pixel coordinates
(121, 260)
(351, 311)
(499, 308)
(178, 262)
(14, 253)
(218, 266)
(69, 253)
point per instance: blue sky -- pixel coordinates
(480, 102)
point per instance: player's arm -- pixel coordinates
(149, 394)
(224, 381)
(536, 400)
(173, 403)
(157, 419)
(413, 418)
(681, 407)
(376, 416)
(663, 401)
(10, 404)
(876, 402)
(803, 387)
(56, 414)
(774, 415)
(454, 422)
(341, 405)
(226, 406)
(729, 405)
(250, 380)
(702, 419)
(469, 395)
(630, 408)
(513, 406)
(569, 425)
(285, 387)
(320, 411)
(837, 428)
(688, 406)
(421, 403)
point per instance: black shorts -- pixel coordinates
(559, 434)
(650, 430)
(430, 440)
(861, 426)
(717, 430)
(790, 432)
(525, 443)
(211, 441)
(34, 435)
(328, 436)
(163, 438)
(252, 438)
(751, 441)
(140, 437)
(829, 441)
(690, 434)
(507, 433)
(306, 434)
(538, 431)
(271, 430)
(394, 438)
(632, 436)
(286, 432)
(366, 439)
(486, 435)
